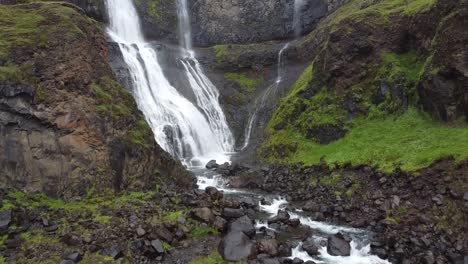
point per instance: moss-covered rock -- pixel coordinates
(371, 61)
(67, 125)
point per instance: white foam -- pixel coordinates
(276, 205)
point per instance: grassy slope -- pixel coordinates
(386, 138)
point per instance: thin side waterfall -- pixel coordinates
(260, 102)
(297, 20)
(206, 94)
(179, 126)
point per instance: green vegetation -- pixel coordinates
(221, 51)
(411, 141)
(377, 13)
(213, 258)
(202, 231)
(141, 135)
(246, 83)
(152, 8)
(113, 100)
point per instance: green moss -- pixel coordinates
(202, 231)
(376, 14)
(94, 258)
(39, 237)
(221, 51)
(2, 260)
(246, 83)
(113, 101)
(411, 141)
(172, 217)
(213, 258)
(141, 135)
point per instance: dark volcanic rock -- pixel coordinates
(236, 246)
(268, 246)
(114, 252)
(243, 224)
(232, 213)
(310, 247)
(338, 246)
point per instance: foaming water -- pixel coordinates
(324, 227)
(276, 204)
(297, 20)
(357, 256)
(206, 94)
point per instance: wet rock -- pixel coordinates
(294, 222)
(214, 193)
(114, 252)
(231, 203)
(5, 219)
(282, 216)
(232, 213)
(75, 256)
(211, 165)
(219, 223)
(297, 261)
(310, 247)
(243, 224)
(309, 262)
(248, 202)
(236, 246)
(203, 214)
(157, 245)
(338, 246)
(268, 246)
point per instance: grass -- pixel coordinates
(411, 141)
(141, 135)
(202, 231)
(213, 258)
(246, 83)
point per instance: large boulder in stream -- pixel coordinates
(243, 224)
(338, 246)
(236, 246)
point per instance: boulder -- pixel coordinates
(338, 246)
(212, 165)
(220, 223)
(236, 246)
(243, 224)
(310, 247)
(75, 256)
(232, 213)
(268, 246)
(114, 252)
(214, 193)
(203, 214)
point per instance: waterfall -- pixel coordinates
(297, 19)
(260, 102)
(207, 95)
(179, 126)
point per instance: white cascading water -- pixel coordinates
(179, 126)
(207, 96)
(260, 103)
(298, 5)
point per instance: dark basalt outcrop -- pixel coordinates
(66, 125)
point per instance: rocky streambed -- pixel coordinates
(400, 217)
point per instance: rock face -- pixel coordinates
(444, 90)
(227, 21)
(337, 246)
(65, 123)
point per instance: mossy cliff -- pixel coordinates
(66, 124)
(377, 79)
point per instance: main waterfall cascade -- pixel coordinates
(193, 134)
(206, 94)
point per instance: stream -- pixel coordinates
(270, 204)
